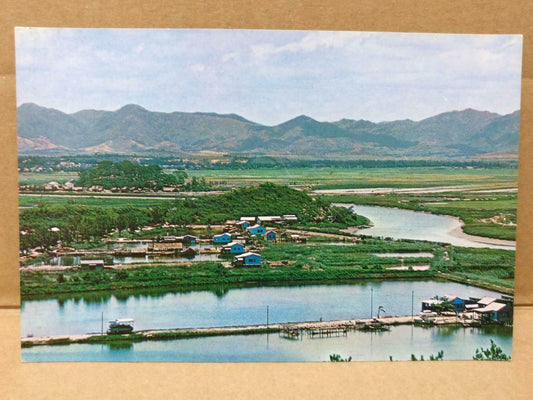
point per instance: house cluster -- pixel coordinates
(69, 186)
(54, 186)
(486, 309)
(232, 247)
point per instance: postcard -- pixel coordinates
(210, 195)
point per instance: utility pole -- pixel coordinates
(412, 305)
(267, 317)
(102, 326)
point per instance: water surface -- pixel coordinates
(398, 223)
(237, 306)
(400, 342)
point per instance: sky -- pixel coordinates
(269, 76)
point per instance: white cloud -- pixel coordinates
(198, 67)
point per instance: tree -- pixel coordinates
(494, 353)
(338, 358)
(438, 357)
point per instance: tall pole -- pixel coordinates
(267, 317)
(102, 327)
(371, 302)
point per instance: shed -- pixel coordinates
(429, 305)
(248, 259)
(269, 218)
(256, 230)
(459, 304)
(271, 235)
(243, 224)
(290, 217)
(222, 238)
(496, 312)
(233, 247)
(485, 301)
(92, 265)
(190, 239)
(189, 252)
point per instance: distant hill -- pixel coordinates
(133, 129)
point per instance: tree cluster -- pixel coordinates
(110, 175)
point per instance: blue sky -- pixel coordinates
(269, 76)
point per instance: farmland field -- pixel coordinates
(340, 178)
(40, 178)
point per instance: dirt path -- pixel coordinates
(433, 189)
(155, 334)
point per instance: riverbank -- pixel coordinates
(476, 283)
(292, 330)
(461, 234)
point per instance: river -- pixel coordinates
(398, 223)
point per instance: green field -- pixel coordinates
(331, 178)
(40, 178)
(340, 178)
(105, 201)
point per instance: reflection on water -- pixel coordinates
(223, 306)
(399, 343)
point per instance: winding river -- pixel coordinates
(398, 223)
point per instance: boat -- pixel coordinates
(120, 326)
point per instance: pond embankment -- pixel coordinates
(292, 329)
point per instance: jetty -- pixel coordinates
(293, 330)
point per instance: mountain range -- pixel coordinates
(133, 129)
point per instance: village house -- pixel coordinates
(92, 265)
(222, 238)
(459, 304)
(188, 239)
(250, 220)
(271, 235)
(290, 218)
(233, 247)
(434, 304)
(269, 218)
(495, 312)
(488, 309)
(296, 238)
(242, 224)
(256, 230)
(189, 252)
(249, 258)
(52, 186)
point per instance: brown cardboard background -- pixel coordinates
(462, 380)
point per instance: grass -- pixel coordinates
(107, 201)
(339, 178)
(313, 264)
(40, 178)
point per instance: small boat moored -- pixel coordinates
(120, 326)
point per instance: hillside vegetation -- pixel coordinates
(133, 129)
(78, 222)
